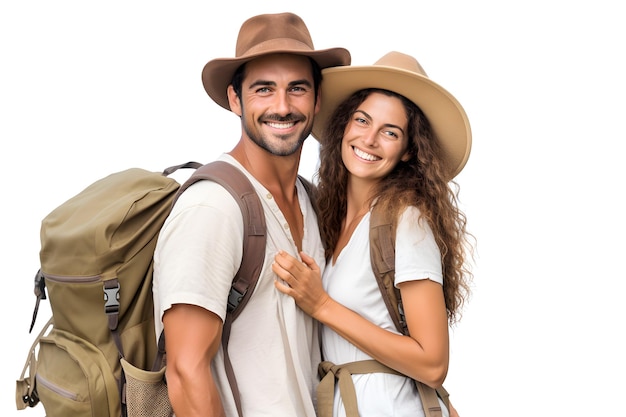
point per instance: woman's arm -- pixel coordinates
(422, 356)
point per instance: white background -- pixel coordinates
(92, 87)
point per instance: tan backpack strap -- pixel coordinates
(430, 400)
(330, 372)
(444, 395)
(343, 373)
(383, 258)
(326, 390)
(25, 390)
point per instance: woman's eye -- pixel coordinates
(392, 134)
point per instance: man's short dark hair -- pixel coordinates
(237, 80)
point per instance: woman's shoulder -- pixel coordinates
(411, 218)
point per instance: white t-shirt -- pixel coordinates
(351, 282)
(274, 346)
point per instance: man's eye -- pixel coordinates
(298, 90)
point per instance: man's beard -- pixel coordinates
(280, 148)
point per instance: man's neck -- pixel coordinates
(276, 173)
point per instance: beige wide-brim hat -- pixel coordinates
(263, 35)
(402, 74)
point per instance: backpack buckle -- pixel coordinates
(234, 298)
(111, 297)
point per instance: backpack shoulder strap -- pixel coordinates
(236, 182)
(383, 258)
(311, 190)
(254, 240)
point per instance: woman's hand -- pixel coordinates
(300, 280)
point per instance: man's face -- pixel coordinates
(278, 102)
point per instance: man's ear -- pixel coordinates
(233, 100)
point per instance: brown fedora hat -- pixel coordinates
(263, 35)
(402, 74)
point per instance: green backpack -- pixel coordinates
(96, 264)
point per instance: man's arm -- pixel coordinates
(192, 338)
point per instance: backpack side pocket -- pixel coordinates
(146, 392)
(74, 378)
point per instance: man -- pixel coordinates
(272, 85)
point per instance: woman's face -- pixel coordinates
(375, 138)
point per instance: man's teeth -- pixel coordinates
(276, 125)
(365, 155)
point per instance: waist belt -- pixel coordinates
(329, 372)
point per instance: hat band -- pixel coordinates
(277, 45)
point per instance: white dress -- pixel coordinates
(351, 282)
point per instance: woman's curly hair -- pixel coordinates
(421, 182)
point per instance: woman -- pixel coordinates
(391, 139)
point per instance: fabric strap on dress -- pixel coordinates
(329, 372)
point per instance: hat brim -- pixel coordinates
(445, 114)
(218, 73)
